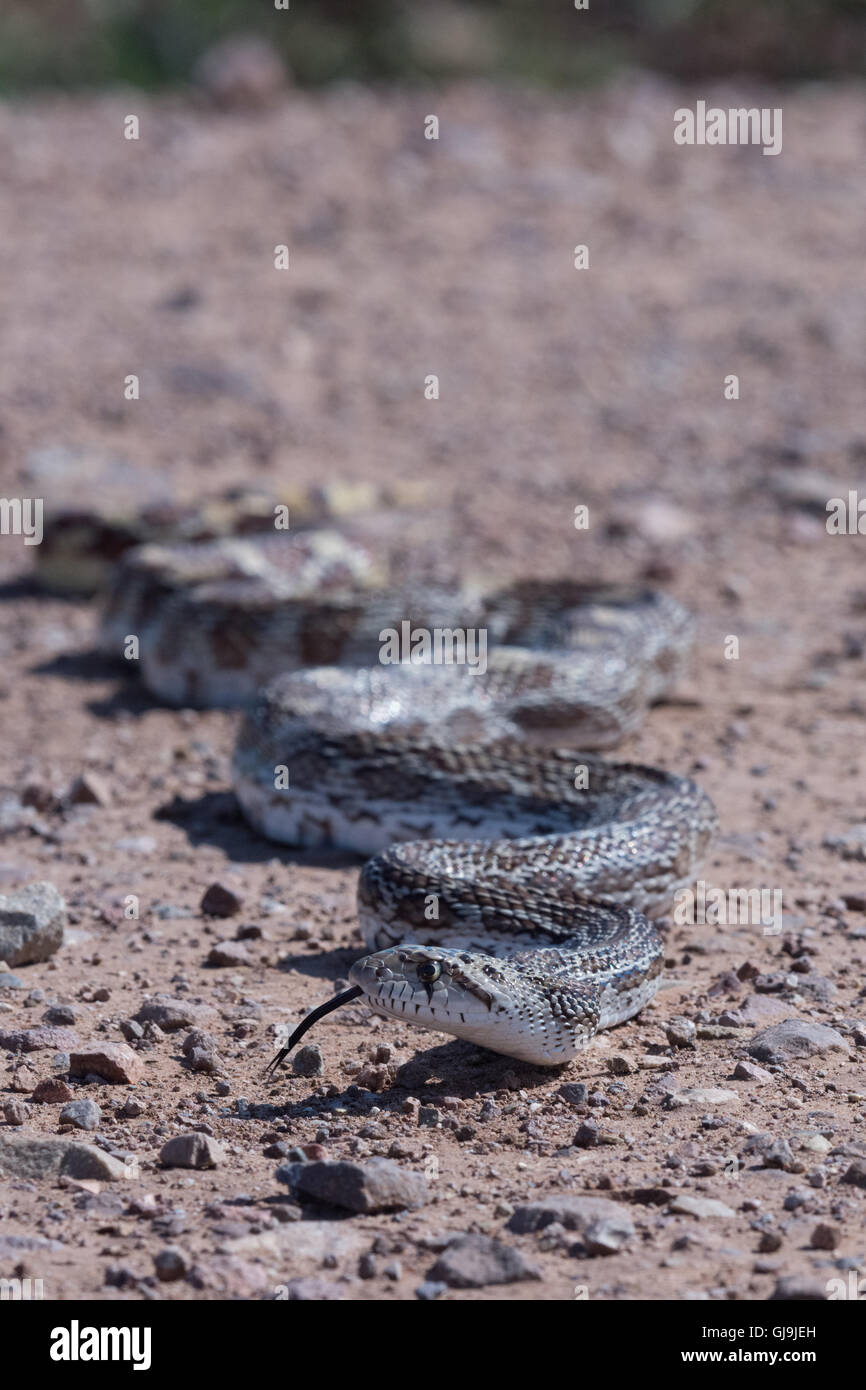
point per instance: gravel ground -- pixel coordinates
(558, 388)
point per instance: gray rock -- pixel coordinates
(816, 987)
(168, 1013)
(851, 845)
(618, 1065)
(699, 1207)
(587, 1135)
(35, 1039)
(203, 1060)
(299, 1243)
(33, 1159)
(799, 1288)
(759, 1010)
(430, 1290)
(474, 1261)
(795, 1038)
(581, 1214)
(83, 1114)
(750, 1071)
(32, 922)
(15, 1112)
(229, 953)
(574, 1092)
(380, 1185)
(701, 1095)
(9, 981)
(198, 1038)
(313, 1291)
(308, 1061)
(13, 1245)
(130, 1109)
(62, 1015)
(605, 1237)
(192, 1151)
(681, 1032)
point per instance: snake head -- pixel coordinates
(475, 996)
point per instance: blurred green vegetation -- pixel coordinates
(152, 43)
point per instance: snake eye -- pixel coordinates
(428, 971)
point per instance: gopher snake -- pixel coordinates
(507, 897)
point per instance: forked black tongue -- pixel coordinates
(308, 1022)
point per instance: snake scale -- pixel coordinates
(512, 879)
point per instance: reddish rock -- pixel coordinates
(113, 1061)
(219, 901)
(52, 1091)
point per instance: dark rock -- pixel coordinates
(825, 1237)
(192, 1151)
(229, 953)
(855, 1175)
(587, 1135)
(308, 1061)
(474, 1261)
(573, 1093)
(607, 1220)
(219, 901)
(770, 1242)
(380, 1185)
(170, 1264)
(89, 790)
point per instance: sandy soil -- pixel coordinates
(558, 387)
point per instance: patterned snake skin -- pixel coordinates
(507, 901)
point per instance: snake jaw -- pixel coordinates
(473, 998)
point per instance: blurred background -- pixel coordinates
(413, 258)
(153, 43)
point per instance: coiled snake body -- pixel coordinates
(509, 893)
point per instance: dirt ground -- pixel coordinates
(558, 387)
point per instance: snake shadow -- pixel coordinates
(330, 965)
(93, 666)
(455, 1069)
(215, 818)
